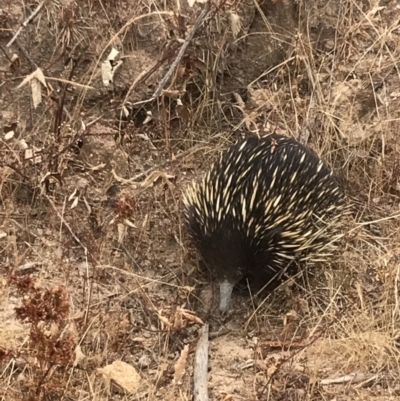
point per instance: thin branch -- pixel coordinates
(25, 23)
(351, 378)
(182, 50)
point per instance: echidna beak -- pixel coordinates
(225, 292)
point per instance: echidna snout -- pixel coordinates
(266, 202)
(225, 294)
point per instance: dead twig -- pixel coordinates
(351, 378)
(25, 53)
(182, 50)
(25, 23)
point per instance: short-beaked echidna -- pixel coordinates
(266, 202)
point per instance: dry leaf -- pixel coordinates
(125, 111)
(123, 374)
(109, 67)
(79, 355)
(271, 370)
(178, 321)
(75, 202)
(9, 135)
(72, 196)
(28, 153)
(35, 79)
(121, 232)
(164, 320)
(191, 2)
(32, 155)
(181, 365)
(182, 111)
(129, 223)
(36, 92)
(37, 74)
(189, 315)
(154, 176)
(149, 117)
(235, 23)
(22, 144)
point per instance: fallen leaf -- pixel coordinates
(109, 67)
(121, 232)
(79, 355)
(181, 365)
(235, 23)
(123, 374)
(35, 79)
(189, 315)
(9, 135)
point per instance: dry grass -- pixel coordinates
(90, 204)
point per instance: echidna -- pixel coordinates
(266, 202)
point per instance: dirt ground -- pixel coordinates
(101, 293)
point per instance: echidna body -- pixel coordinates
(266, 201)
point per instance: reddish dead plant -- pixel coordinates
(50, 345)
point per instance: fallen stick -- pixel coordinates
(25, 23)
(182, 50)
(351, 378)
(200, 376)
